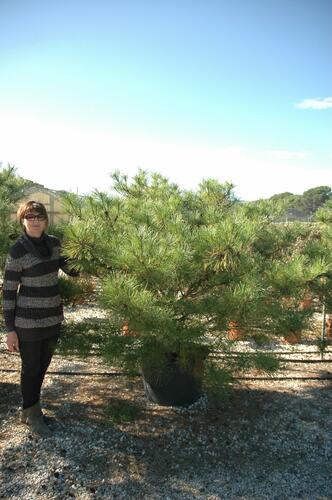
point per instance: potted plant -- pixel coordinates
(176, 267)
(292, 322)
(235, 331)
(306, 303)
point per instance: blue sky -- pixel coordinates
(237, 91)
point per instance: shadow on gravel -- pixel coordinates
(270, 442)
(9, 397)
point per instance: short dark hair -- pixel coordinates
(31, 206)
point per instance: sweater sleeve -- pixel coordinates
(11, 282)
(66, 265)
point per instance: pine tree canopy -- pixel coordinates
(182, 265)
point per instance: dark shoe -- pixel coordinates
(24, 417)
(35, 420)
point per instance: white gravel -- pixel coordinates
(273, 440)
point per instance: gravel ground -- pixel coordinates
(272, 441)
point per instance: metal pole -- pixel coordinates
(323, 332)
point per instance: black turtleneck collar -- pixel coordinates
(36, 238)
(40, 247)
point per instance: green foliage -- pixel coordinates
(217, 383)
(306, 205)
(82, 338)
(75, 290)
(123, 352)
(121, 411)
(70, 290)
(267, 363)
(178, 266)
(6, 228)
(11, 184)
(289, 200)
(320, 246)
(219, 374)
(57, 230)
(322, 345)
(314, 198)
(324, 213)
(11, 187)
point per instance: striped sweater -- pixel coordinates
(31, 302)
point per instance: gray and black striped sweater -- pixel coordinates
(31, 302)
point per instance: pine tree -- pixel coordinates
(11, 186)
(178, 267)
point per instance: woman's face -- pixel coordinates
(34, 224)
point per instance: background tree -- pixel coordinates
(11, 190)
(314, 198)
(302, 207)
(289, 200)
(12, 184)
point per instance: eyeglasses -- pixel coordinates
(34, 216)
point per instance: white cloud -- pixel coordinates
(286, 155)
(78, 159)
(315, 103)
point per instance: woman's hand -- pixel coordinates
(12, 342)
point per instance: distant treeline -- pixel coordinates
(297, 206)
(303, 206)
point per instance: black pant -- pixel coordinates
(36, 357)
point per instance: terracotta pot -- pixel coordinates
(125, 328)
(305, 304)
(293, 337)
(126, 332)
(79, 301)
(287, 300)
(235, 332)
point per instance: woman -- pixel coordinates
(32, 306)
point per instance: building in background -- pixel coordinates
(50, 198)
